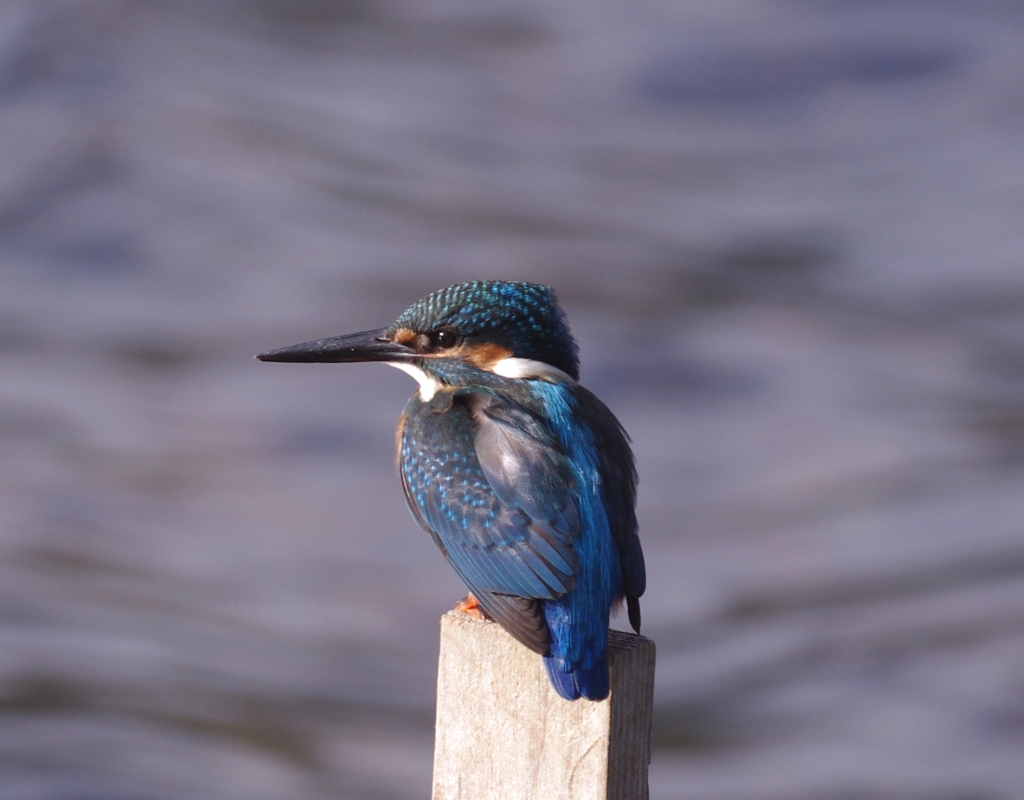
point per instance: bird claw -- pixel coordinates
(470, 605)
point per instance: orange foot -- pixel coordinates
(470, 605)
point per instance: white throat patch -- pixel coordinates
(528, 368)
(428, 384)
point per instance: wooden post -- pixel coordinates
(504, 734)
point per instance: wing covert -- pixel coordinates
(490, 484)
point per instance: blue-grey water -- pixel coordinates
(790, 239)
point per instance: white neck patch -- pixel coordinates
(528, 368)
(428, 384)
(515, 368)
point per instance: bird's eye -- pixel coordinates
(444, 339)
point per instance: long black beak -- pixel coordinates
(362, 346)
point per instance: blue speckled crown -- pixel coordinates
(523, 317)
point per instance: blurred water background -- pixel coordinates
(790, 239)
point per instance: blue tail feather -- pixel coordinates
(562, 681)
(589, 683)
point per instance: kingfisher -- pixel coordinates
(522, 477)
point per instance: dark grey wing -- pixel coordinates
(522, 617)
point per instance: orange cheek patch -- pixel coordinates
(485, 356)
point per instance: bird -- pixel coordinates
(524, 479)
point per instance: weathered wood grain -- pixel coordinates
(504, 734)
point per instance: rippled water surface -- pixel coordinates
(789, 238)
